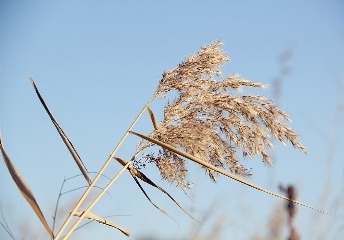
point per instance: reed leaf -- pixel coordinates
(156, 206)
(101, 220)
(138, 174)
(64, 137)
(154, 121)
(24, 188)
(218, 170)
(123, 162)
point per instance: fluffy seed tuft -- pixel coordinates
(211, 120)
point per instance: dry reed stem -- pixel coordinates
(218, 170)
(208, 119)
(64, 137)
(24, 188)
(101, 220)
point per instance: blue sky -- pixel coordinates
(97, 63)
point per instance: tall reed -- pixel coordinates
(209, 121)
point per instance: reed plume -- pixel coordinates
(212, 120)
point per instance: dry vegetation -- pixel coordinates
(207, 120)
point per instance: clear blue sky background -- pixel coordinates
(96, 64)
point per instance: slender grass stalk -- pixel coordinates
(84, 214)
(102, 170)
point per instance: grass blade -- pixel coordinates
(154, 121)
(219, 170)
(137, 174)
(101, 220)
(146, 195)
(64, 137)
(131, 170)
(24, 188)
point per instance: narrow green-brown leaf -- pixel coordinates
(91, 215)
(63, 136)
(136, 173)
(219, 170)
(154, 121)
(24, 188)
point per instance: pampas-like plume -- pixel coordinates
(24, 188)
(209, 120)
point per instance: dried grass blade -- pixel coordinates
(146, 195)
(101, 220)
(136, 173)
(154, 121)
(131, 170)
(24, 188)
(219, 170)
(64, 137)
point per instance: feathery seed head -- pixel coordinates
(209, 120)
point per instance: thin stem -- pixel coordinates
(62, 193)
(72, 190)
(75, 176)
(57, 204)
(5, 226)
(101, 171)
(95, 201)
